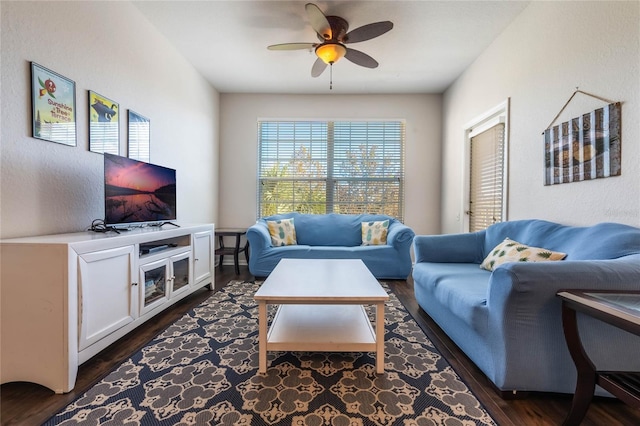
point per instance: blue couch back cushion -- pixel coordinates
(331, 229)
(601, 241)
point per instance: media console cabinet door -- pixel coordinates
(202, 255)
(180, 273)
(154, 285)
(107, 294)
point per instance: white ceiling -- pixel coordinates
(431, 43)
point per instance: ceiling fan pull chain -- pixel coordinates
(331, 76)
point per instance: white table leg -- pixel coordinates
(262, 336)
(380, 337)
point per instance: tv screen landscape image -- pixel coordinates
(137, 192)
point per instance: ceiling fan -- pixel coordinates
(333, 36)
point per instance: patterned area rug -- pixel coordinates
(203, 370)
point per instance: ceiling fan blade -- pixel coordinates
(318, 67)
(367, 32)
(292, 46)
(318, 21)
(360, 58)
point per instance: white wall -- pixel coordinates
(538, 61)
(239, 142)
(110, 48)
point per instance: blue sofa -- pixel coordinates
(333, 236)
(508, 322)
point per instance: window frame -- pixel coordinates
(336, 149)
(487, 120)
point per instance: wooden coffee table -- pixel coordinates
(321, 309)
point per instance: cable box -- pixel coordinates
(148, 249)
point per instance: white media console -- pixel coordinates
(66, 297)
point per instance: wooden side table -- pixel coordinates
(236, 249)
(618, 308)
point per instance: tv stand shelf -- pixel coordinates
(69, 296)
(153, 247)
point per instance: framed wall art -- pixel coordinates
(104, 128)
(53, 106)
(584, 148)
(139, 137)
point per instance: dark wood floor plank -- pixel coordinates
(30, 404)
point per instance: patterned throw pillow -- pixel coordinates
(375, 233)
(282, 232)
(513, 251)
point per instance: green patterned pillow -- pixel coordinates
(282, 232)
(513, 251)
(375, 233)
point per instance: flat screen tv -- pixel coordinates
(137, 192)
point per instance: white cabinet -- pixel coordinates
(106, 294)
(66, 297)
(202, 253)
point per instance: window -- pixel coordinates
(331, 167)
(487, 168)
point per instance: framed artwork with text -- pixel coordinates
(53, 106)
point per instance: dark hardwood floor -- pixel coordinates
(30, 404)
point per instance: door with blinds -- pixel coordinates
(487, 177)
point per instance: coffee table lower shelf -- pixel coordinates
(323, 328)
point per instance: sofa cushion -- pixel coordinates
(374, 233)
(513, 251)
(461, 287)
(282, 231)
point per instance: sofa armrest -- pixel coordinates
(537, 283)
(258, 237)
(400, 236)
(542, 280)
(522, 304)
(449, 248)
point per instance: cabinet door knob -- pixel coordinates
(134, 283)
(196, 259)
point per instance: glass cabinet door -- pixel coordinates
(180, 268)
(153, 276)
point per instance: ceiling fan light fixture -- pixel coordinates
(330, 53)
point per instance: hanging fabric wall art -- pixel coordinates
(585, 147)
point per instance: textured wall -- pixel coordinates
(107, 47)
(239, 142)
(537, 62)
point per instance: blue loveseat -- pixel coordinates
(333, 236)
(508, 321)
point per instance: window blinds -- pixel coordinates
(333, 166)
(486, 178)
